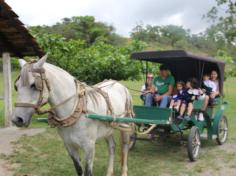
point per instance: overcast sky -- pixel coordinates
(123, 14)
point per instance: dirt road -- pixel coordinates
(7, 136)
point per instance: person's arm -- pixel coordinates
(170, 91)
(152, 89)
(170, 88)
(214, 87)
(143, 88)
(214, 91)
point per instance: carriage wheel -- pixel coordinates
(194, 143)
(222, 131)
(132, 141)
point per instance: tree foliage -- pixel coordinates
(224, 17)
(84, 28)
(169, 34)
(176, 37)
(92, 64)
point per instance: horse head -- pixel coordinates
(32, 91)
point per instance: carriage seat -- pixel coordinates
(198, 104)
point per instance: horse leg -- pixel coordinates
(89, 157)
(125, 137)
(111, 147)
(74, 154)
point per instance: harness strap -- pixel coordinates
(54, 121)
(26, 105)
(107, 99)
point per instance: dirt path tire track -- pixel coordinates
(7, 136)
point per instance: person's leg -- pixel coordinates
(206, 101)
(164, 102)
(157, 99)
(172, 104)
(148, 100)
(182, 109)
(178, 103)
(190, 109)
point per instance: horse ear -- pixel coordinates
(41, 61)
(22, 62)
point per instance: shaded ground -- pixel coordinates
(7, 137)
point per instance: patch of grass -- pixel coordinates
(44, 154)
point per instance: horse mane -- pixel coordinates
(24, 75)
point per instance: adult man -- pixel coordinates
(164, 84)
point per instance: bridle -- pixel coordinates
(42, 85)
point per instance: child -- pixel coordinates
(176, 99)
(189, 95)
(209, 88)
(208, 85)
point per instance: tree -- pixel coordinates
(167, 35)
(224, 17)
(139, 33)
(84, 28)
(174, 33)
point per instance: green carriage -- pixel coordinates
(162, 121)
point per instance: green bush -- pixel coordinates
(94, 63)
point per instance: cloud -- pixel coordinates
(123, 14)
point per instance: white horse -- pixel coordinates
(84, 132)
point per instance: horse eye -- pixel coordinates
(32, 86)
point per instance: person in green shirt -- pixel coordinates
(164, 84)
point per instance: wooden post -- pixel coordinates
(7, 89)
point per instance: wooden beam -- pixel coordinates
(7, 89)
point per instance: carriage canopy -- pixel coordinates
(184, 65)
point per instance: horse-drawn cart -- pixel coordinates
(163, 121)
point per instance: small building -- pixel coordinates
(15, 41)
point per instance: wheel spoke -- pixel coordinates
(195, 144)
(222, 130)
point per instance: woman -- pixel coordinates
(148, 90)
(215, 79)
